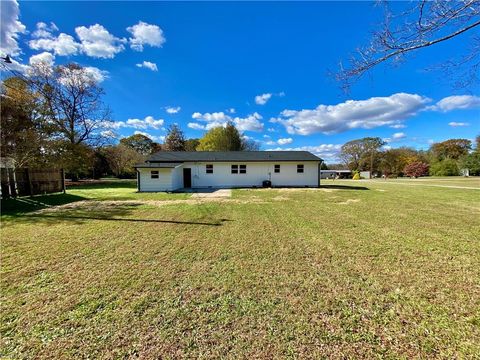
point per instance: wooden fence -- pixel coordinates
(28, 182)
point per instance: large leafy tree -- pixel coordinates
(122, 159)
(361, 154)
(191, 144)
(140, 143)
(175, 139)
(394, 161)
(220, 138)
(451, 149)
(22, 133)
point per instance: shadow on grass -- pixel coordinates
(343, 187)
(22, 205)
(20, 211)
(81, 218)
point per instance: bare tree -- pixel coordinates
(72, 102)
(423, 24)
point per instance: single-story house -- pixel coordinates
(173, 170)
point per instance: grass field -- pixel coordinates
(352, 270)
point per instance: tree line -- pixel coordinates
(55, 117)
(447, 158)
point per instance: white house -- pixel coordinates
(173, 170)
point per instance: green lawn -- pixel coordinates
(353, 270)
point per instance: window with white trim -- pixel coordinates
(209, 168)
(300, 168)
(276, 168)
(239, 169)
(154, 174)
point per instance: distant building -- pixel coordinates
(334, 174)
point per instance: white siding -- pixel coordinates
(177, 178)
(163, 183)
(257, 172)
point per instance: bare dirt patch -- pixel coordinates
(349, 201)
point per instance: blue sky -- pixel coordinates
(207, 63)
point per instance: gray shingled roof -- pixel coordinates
(169, 165)
(192, 156)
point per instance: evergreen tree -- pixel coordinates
(175, 140)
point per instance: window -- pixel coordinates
(300, 168)
(276, 168)
(154, 174)
(209, 168)
(239, 169)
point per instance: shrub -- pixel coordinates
(356, 175)
(416, 169)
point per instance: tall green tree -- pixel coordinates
(191, 144)
(451, 149)
(361, 154)
(220, 138)
(226, 138)
(122, 159)
(140, 143)
(22, 132)
(175, 139)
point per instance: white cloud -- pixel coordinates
(457, 102)
(10, 28)
(398, 126)
(96, 74)
(262, 99)
(97, 42)
(458, 124)
(148, 122)
(249, 123)
(62, 45)
(271, 130)
(42, 58)
(231, 110)
(109, 134)
(44, 30)
(284, 141)
(145, 34)
(160, 138)
(352, 114)
(148, 65)
(196, 126)
(399, 135)
(172, 109)
(328, 152)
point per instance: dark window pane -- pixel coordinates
(234, 169)
(243, 169)
(300, 168)
(277, 168)
(209, 169)
(154, 174)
